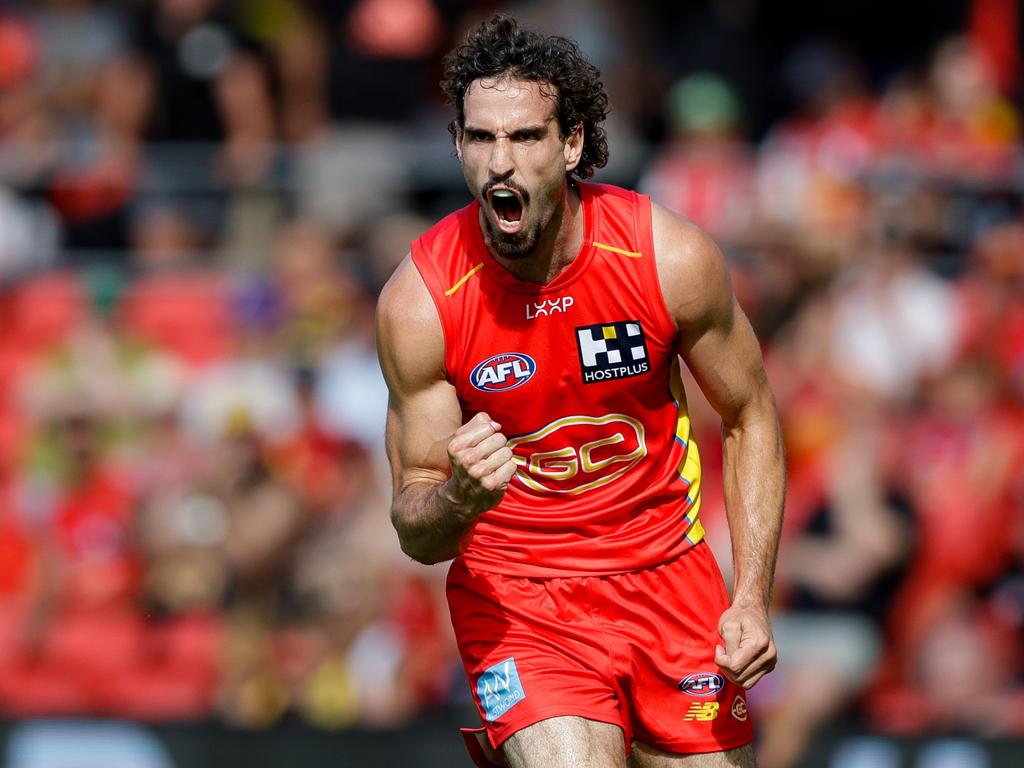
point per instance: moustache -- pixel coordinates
(509, 184)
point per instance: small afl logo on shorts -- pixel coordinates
(702, 684)
(503, 372)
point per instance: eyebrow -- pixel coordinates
(536, 128)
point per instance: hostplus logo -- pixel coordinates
(612, 351)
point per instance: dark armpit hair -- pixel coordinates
(501, 48)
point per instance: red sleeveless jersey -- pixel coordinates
(583, 377)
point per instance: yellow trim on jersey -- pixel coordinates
(696, 533)
(463, 279)
(691, 515)
(620, 251)
(675, 388)
(689, 467)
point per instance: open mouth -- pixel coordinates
(508, 208)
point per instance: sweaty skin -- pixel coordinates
(446, 474)
(720, 349)
(510, 139)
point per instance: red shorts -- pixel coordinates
(634, 649)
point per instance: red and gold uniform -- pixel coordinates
(587, 590)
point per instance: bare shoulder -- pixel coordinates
(410, 341)
(692, 271)
(406, 300)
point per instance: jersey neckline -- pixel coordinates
(496, 272)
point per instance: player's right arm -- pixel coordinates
(445, 474)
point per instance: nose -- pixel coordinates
(501, 164)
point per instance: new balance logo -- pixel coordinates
(612, 351)
(702, 712)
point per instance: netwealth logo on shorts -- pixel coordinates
(499, 689)
(612, 351)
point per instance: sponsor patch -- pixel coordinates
(611, 351)
(545, 307)
(499, 689)
(503, 372)
(702, 684)
(739, 709)
(702, 712)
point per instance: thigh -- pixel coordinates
(675, 696)
(566, 742)
(647, 757)
(530, 651)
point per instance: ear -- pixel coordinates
(573, 148)
(458, 141)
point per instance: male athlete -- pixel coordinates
(538, 434)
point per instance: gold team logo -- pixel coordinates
(739, 709)
(703, 713)
(576, 454)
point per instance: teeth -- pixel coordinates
(504, 194)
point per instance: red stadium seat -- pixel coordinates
(188, 642)
(188, 315)
(12, 429)
(16, 555)
(91, 645)
(156, 694)
(44, 310)
(31, 685)
(12, 613)
(177, 676)
(42, 690)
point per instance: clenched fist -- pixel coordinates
(747, 652)
(481, 463)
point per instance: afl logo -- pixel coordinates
(702, 684)
(503, 372)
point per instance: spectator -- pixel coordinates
(707, 172)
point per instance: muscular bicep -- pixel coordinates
(725, 359)
(715, 338)
(423, 410)
(419, 428)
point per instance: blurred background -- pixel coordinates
(199, 202)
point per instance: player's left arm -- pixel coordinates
(720, 348)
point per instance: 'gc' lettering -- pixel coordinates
(566, 457)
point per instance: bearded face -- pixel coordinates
(515, 161)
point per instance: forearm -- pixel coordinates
(755, 487)
(430, 524)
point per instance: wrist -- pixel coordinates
(457, 505)
(755, 600)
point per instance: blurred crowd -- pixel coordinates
(199, 200)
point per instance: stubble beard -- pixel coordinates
(515, 246)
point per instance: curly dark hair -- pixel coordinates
(499, 47)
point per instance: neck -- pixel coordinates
(559, 244)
